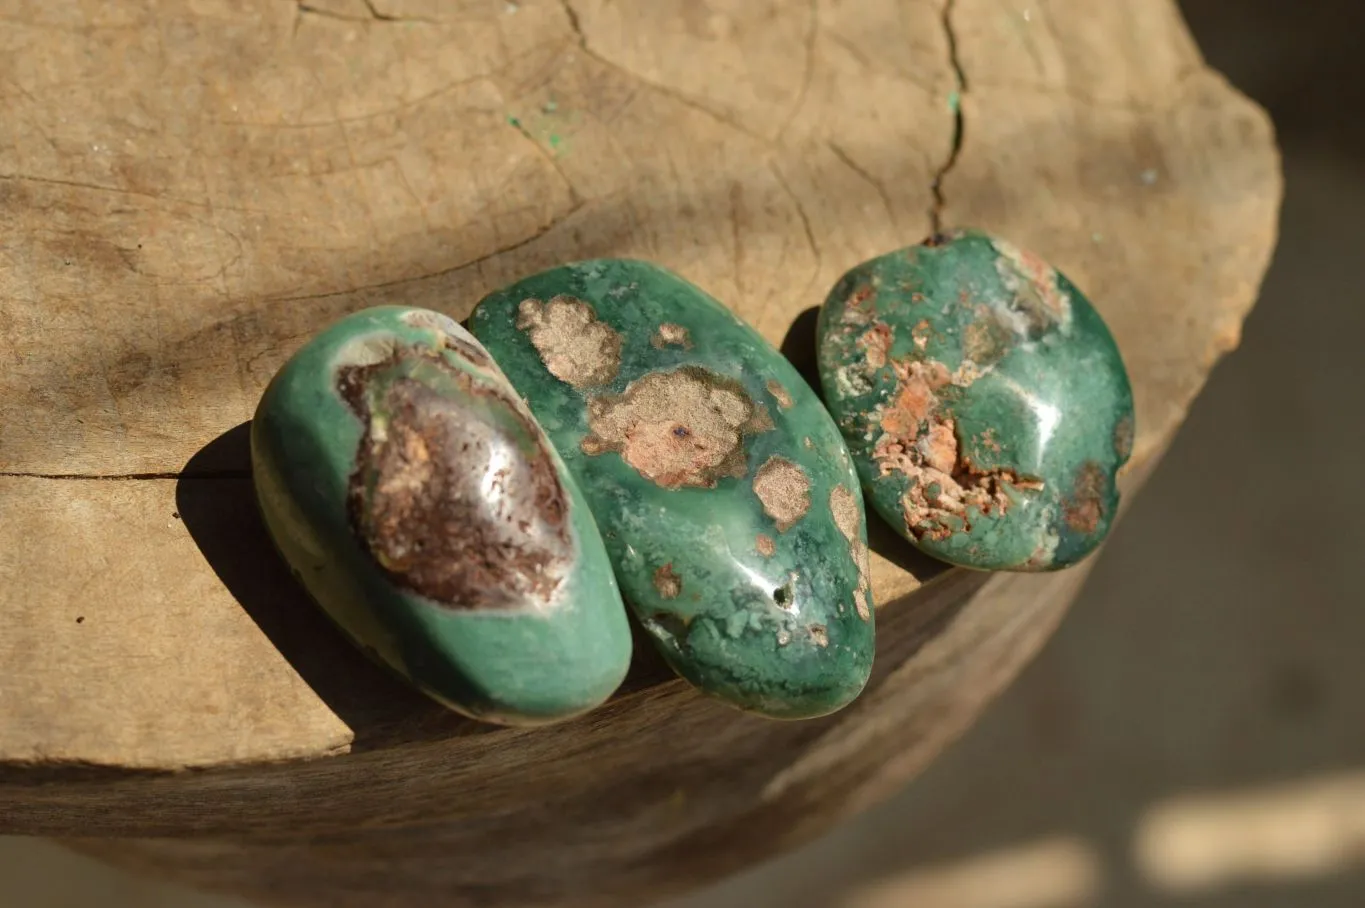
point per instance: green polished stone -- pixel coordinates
(726, 497)
(984, 401)
(415, 497)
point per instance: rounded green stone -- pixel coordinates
(726, 497)
(418, 502)
(984, 400)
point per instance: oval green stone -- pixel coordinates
(415, 497)
(984, 400)
(726, 497)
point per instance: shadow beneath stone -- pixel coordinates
(799, 348)
(217, 501)
(886, 542)
(647, 665)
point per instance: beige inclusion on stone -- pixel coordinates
(843, 504)
(678, 429)
(784, 491)
(574, 345)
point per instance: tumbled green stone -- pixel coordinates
(984, 401)
(726, 497)
(416, 499)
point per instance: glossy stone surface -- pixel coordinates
(984, 401)
(725, 495)
(414, 496)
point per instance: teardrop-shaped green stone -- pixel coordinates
(417, 500)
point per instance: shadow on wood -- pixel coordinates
(216, 499)
(220, 512)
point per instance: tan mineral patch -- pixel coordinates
(576, 347)
(920, 334)
(366, 350)
(1034, 285)
(1123, 439)
(684, 428)
(938, 446)
(860, 602)
(859, 306)
(978, 339)
(989, 336)
(671, 334)
(430, 321)
(667, 582)
(966, 373)
(819, 635)
(765, 545)
(915, 398)
(876, 344)
(779, 393)
(760, 422)
(843, 504)
(1046, 551)
(920, 443)
(936, 503)
(452, 336)
(1084, 508)
(784, 490)
(851, 380)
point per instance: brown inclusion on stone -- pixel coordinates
(1084, 507)
(667, 582)
(453, 493)
(919, 442)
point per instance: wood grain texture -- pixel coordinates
(189, 189)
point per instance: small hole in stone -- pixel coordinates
(781, 595)
(80, 620)
(680, 432)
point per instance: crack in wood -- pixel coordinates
(575, 199)
(808, 74)
(959, 124)
(805, 224)
(575, 24)
(867, 177)
(472, 263)
(581, 39)
(375, 15)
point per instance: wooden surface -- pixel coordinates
(189, 189)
